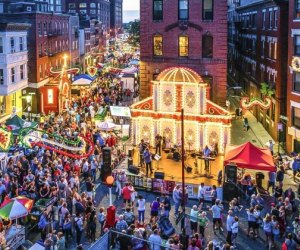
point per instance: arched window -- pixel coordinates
(207, 46)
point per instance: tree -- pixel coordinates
(266, 90)
(134, 32)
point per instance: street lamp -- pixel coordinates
(109, 181)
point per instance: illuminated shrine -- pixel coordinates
(177, 88)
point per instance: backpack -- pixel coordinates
(77, 227)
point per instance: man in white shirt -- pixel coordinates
(201, 192)
(229, 223)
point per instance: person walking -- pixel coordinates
(155, 240)
(101, 219)
(267, 226)
(234, 230)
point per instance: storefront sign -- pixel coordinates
(120, 111)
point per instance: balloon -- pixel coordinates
(110, 180)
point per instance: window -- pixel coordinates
(296, 117)
(21, 43)
(22, 73)
(273, 109)
(157, 10)
(40, 29)
(207, 10)
(92, 5)
(93, 12)
(275, 51)
(72, 5)
(1, 76)
(297, 9)
(183, 45)
(270, 50)
(12, 75)
(263, 48)
(82, 5)
(183, 9)
(296, 82)
(41, 72)
(12, 45)
(297, 45)
(157, 45)
(275, 19)
(1, 45)
(207, 46)
(264, 20)
(50, 94)
(270, 19)
(45, 29)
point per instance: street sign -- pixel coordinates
(282, 117)
(279, 126)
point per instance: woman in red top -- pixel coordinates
(126, 193)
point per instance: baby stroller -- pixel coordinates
(166, 227)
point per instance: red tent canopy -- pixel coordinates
(249, 156)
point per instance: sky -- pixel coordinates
(131, 10)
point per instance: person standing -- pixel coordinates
(235, 230)
(101, 219)
(229, 223)
(203, 223)
(78, 227)
(167, 205)
(141, 207)
(126, 192)
(158, 144)
(142, 147)
(148, 159)
(206, 153)
(201, 192)
(155, 240)
(272, 180)
(194, 219)
(217, 213)
(271, 146)
(176, 199)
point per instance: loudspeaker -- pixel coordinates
(106, 166)
(231, 173)
(129, 162)
(106, 156)
(133, 169)
(130, 153)
(105, 172)
(230, 191)
(188, 169)
(159, 175)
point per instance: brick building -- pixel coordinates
(293, 78)
(184, 33)
(257, 54)
(48, 43)
(95, 9)
(116, 16)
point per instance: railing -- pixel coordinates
(109, 239)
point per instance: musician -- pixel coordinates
(206, 153)
(142, 147)
(158, 140)
(148, 159)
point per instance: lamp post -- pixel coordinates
(109, 181)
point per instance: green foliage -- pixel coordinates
(266, 90)
(134, 33)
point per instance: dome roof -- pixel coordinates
(179, 74)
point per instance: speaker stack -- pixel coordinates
(230, 188)
(106, 167)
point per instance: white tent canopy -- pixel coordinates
(82, 82)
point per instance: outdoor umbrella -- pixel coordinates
(106, 126)
(15, 208)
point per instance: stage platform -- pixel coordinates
(172, 168)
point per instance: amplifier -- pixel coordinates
(159, 175)
(133, 169)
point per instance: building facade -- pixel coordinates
(257, 54)
(293, 78)
(48, 43)
(185, 33)
(13, 67)
(95, 9)
(116, 16)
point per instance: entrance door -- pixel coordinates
(296, 146)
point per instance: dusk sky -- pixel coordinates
(130, 10)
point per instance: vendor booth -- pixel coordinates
(239, 158)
